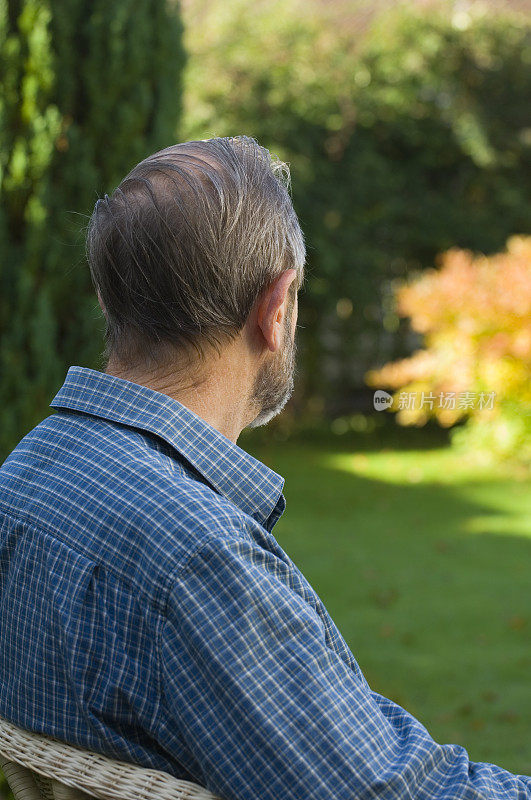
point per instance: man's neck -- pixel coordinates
(220, 398)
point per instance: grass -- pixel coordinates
(422, 560)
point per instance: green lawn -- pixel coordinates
(423, 562)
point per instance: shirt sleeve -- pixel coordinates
(268, 710)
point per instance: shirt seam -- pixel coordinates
(163, 618)
(155, 600)
(192, 553)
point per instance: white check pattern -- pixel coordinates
(148, 613)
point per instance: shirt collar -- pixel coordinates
(234, 473)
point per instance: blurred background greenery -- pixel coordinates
(407, 128)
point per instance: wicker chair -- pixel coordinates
(39, 767)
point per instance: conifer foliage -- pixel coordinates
(86, 91)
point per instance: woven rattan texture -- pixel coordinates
(92, 773)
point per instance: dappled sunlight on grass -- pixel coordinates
(514, 525)
(439, 465)
(442, 466)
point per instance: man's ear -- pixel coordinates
(271, 312)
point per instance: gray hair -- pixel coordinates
(185, 245)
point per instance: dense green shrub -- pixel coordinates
(86, 90)
(410, 143)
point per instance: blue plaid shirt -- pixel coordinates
(148, 613)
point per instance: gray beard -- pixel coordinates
(274, 382)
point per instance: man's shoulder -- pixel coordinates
(121, 496)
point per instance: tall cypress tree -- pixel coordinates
(86, 91)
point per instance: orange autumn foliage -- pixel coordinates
(475, 314)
